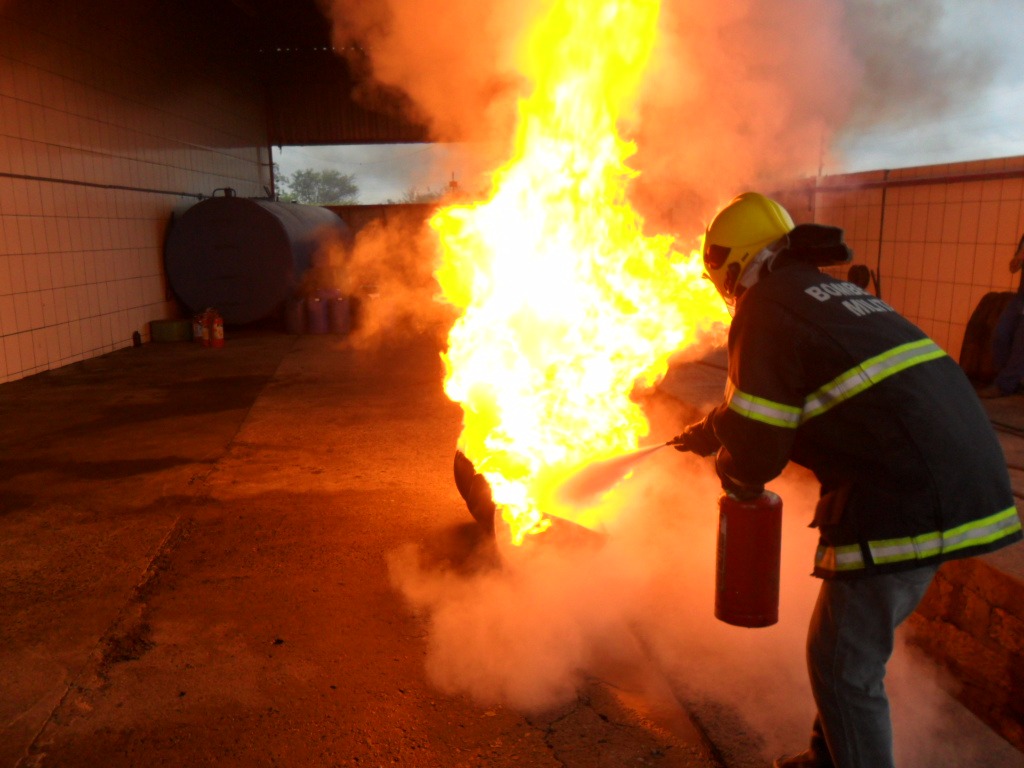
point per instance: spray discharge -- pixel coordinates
(588, 483)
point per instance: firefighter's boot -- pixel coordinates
(806, 759)
(817, 756)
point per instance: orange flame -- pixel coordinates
(565, 304)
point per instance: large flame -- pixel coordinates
(566, 304)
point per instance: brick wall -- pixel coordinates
(972, 620)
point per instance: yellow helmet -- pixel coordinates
(740, 231)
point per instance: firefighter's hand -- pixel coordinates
(697, 438)
(732, 486)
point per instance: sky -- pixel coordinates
(987, 125)
(383, 172)
(978, 42)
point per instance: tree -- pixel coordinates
(413, 196)
(324, 187)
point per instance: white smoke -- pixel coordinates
(389, 271)
(529, 629)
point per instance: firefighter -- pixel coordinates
(824, 374)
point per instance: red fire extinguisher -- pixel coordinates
(216, 329)
(749, 554)
(205, 327)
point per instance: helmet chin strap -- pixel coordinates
(764, 258)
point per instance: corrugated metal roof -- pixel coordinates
(309, 85)
(270, 24)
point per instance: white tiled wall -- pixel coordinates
(103, 133)
(939, 237)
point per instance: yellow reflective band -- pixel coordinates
(760, 409)
(869, 373)
(975, 533)
(972, 534)
(833, 559)
(839, 390)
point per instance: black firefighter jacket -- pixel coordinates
(828, 376)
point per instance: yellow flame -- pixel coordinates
(566, 304)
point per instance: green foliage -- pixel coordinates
(323, 187)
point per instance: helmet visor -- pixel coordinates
(715, 255)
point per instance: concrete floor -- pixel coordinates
(193, 571)
(193, 548)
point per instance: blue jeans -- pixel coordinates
(1008, 347)
(849, 644)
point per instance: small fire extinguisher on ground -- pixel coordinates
(749, 556)
(216, 329)
(204, 328)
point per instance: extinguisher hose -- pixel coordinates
(594, 479)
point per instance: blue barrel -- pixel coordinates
(316, 315)
(339, 315)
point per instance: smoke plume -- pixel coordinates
(532, 626)
(455, 59)
(738, 93)
(528, 631)
(741, 95)
(388, 271)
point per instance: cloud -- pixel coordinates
(943, 85)
(913, 67)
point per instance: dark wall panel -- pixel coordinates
(310, 101)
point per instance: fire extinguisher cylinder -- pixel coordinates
(748, 561)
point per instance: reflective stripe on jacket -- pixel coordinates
(910, 549)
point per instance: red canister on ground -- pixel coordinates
(216, 329)
(206, 328)
(749, 555)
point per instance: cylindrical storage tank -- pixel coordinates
(244, 256)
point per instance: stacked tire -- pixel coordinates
(976, 351)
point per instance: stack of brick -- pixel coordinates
(972, 623)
